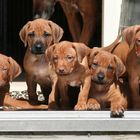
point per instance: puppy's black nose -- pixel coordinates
(38, 46)
(101, 76)
(61, 70)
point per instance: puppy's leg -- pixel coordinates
(46, 92)
(83, 95)
(93, 104)
(53, 94)
(64, 98)
(19, 104)
(31, 88)
(134, 85)
(84, 92)
(118, 106)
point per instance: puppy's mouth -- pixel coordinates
(99, 82)
(62, 73)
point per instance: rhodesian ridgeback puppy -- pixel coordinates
(105, 69)
(132, 37)
(128, 51)
(39, 35)
(83, 16)
(70, 63)
(9, 69)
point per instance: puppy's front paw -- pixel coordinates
(93, 104)
(117, 111)
(80, 106)
(53, 106)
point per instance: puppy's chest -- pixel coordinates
(76, 79)
(75, 83)
(42, 75)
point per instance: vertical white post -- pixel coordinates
(111, 20)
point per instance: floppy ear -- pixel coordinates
(14, 70)
(57, 31)
(23, 33)
(49, 52)
(129, 34)
(120, 67)
(82, 50)
(92, 54)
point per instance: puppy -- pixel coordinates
(128, 51)
(39, 35)
(132, 37)
(105, 69)
(70, 63)
(9, 69)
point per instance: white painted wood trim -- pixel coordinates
(68, 121)
(111, 20)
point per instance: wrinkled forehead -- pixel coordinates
(39, 27)
(64, 49)
(104, 59)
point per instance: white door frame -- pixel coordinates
(111, 19)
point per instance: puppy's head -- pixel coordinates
(105, 68)
(39, 34)
(65, 56)
(9, 69)
(132, 37)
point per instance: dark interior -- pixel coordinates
(15, 13)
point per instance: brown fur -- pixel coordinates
(70, 63)
(129, 52)
(132, 37)
(81, 30)
(9, 69)
(40, 34)
(105, 70)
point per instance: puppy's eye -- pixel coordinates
(4, 69)
(138, 41)
(94, 65)
(70, 58)
(46, 34)
(31, 34)
(110, 68)
(55, 59)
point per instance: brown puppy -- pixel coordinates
(39, 34)
(105, 70)
(70, 63)
(82, 16)
(129, 52)
(9, 69)
(132, 37)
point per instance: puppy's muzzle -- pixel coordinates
(99, 79)
(100, 76)
(38, 48)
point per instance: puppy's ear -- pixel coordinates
(49, 52)
(23, 33)
(82, 50)
(57, 31)
(120, 67)
(14, 70)
(92, 54)
(129, 34)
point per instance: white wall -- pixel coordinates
(111, 19)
